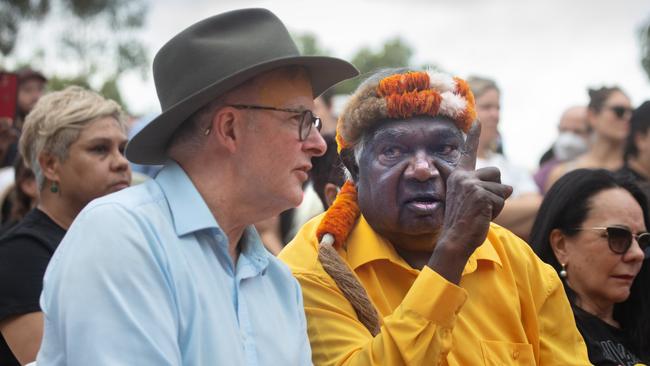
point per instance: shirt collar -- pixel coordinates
(189, 211)
(371, 246)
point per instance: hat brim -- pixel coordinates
(150, 144)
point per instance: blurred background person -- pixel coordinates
(327, 175)
(520, 209)
(31, 86)
(323, 108)
(20, 197)
(592, 228)
(637, 148)
(571, 142)
(73, 141)
(608, 114)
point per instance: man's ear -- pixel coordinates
(50, 166)
(225, 126)
(330, 191)
(347, 157)
(557, 241)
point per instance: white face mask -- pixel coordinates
(569, 145)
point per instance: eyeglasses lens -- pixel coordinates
(305, 125)
(644, 240)
(621, 111)
(619, 239)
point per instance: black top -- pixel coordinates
(606, 345)
(25, 251)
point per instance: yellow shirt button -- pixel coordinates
(515, 355)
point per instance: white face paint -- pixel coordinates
(569, 145)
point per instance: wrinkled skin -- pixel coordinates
(418, 188)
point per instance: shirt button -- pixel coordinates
(515, 355)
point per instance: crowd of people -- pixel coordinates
(262, 227)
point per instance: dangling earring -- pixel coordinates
(54, 187)
(563, 271)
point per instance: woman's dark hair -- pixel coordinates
(327, 168)
(21, 203)
(565, 207)
(598, 97)
(639, 124)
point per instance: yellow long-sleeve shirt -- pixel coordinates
(510, 308)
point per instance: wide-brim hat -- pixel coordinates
(215, 55)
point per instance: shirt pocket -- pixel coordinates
(498, 353)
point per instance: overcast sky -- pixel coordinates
(543, 54)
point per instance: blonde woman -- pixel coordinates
(74, 141)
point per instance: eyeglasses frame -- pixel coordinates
(315, 121)
(606, 229)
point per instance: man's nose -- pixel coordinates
(421, 167)
(314, 143)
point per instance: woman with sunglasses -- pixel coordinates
(592, 228)
(608, 116)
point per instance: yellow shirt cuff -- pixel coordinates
(434, 298)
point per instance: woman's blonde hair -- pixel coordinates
(56, 122)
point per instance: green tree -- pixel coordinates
(99, 39)
(393, 53)
(645, 48)
(309, 46)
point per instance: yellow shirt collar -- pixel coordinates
(375, 247)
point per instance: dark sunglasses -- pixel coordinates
(307, 118)
(620, 111)
(619, 238)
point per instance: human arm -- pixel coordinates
(106, 298)
(23, 334)
(418, 332)
(23, 260)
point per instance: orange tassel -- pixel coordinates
(402, 83)
(415, 103)
(341, 216)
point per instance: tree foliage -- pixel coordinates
(393, 53)
(99, 39)
(645, 48)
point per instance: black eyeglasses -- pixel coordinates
(307, 118)
(620, 111)
(619, 238)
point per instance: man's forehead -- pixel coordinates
(281, 86)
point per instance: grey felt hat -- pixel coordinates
(215, 55)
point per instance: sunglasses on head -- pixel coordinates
(620, 111)
(619, 238)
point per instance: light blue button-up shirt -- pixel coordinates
(143, 277)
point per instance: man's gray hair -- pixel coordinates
(190, 136)
(56, 122)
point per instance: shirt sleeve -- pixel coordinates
(560, 343)
(418, 332)
(23, 261)
(106, 298)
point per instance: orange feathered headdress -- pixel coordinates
(397, 96)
